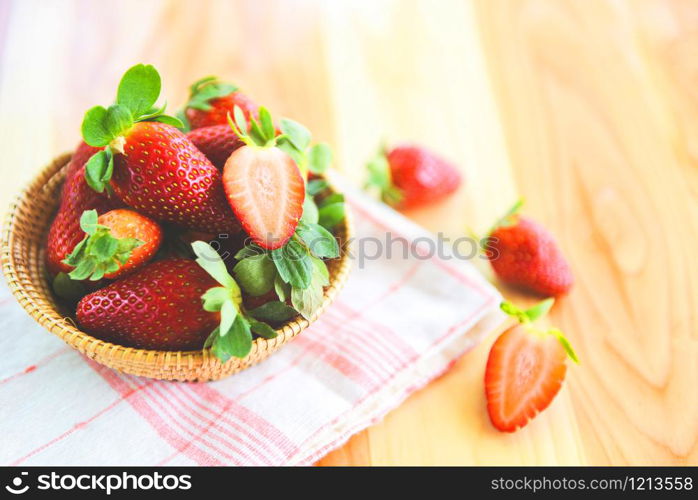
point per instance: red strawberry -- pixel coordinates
(158, 307)
(524, 254)
(210, 101)
(163, 175)
(410, 176)
(266, 191)
(216, 142)
(116, 243)
(175, 304)
(525, 369)
(150, 164)
(65, 231)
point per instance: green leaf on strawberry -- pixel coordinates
(99, 253)
(329, 216)
(102, 127)
(139, 88)
(319, 158)
(308, 300)
(233, 336)
(528, 316)
(262, 329)
(282, 289)
(316, 186)
(319, 240)
(381, 179)
(297, 134)
(255, 274)
(259, 133)
(273, 312)
(310, 211)
(98, 170)
(203, 91)
(293, 264)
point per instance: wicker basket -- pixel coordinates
(23, 242)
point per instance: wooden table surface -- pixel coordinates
(588, 108)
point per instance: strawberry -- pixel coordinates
(158, 307)
(210, 102)
(216, 142)
(410, 176)
(116, 243)
(525, 369)
(151, 165)
(263, 184)
(524, 254)
(174, 304)
(65, 232)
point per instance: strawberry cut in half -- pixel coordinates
(525, 369)
(263, 184)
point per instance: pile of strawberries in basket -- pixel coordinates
(203, 230)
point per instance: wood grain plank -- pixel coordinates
(589, 109)
(592, 141)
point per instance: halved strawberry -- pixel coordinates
(263, 184)
(525, 369)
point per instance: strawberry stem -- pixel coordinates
(528, 316)
(509, 218)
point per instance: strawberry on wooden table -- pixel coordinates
(151, 165)
(409, 176)
(524, 254)
(116, 243)
(210, 102)
(525, 369)
(175, 304)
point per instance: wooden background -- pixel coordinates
(588, 108)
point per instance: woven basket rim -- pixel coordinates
(63, 326)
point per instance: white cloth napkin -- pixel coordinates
(397, 324)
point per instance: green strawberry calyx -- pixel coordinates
(99, 252)
(528, 316)
(380, 178)
(510, 218)
(138, 91)
(233, 336)
(294, 140)
(206, 89)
